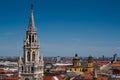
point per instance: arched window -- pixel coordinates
(22, 68)
(29, 38)
(33, 56)
(32, 69)
(28, 56)
(33, 38)
(29, 68)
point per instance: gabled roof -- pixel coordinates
(11, 78)
(57, 77)
(115, 65)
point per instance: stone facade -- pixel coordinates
(78, 67)
(31, 66)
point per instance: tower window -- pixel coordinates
(33, 38)
(33, 56)
(30, 38)
(28, 56)
(32, 69)
(22, 68)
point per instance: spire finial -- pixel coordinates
(31, 6)
(31, 26)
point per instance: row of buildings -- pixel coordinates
(33, 67)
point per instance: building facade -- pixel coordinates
(78, 67)
(31, 66)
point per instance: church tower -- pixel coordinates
(90, 64)
(76, 60)
(31, 67)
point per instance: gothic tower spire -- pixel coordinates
(32, 66)
(31, 26)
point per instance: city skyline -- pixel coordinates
(64, 27)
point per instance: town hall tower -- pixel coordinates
(31, 66)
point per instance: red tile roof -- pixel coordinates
(48, 78)
(52, 77)
(11, 78)
(115, 65)
(87, 75)
(101, 63)
(102, 78)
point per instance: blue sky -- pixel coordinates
(65, 27)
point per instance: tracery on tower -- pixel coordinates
(31, 68)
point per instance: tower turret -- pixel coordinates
(90, 64)
(95, 74)
(19, 67)
(76, 60)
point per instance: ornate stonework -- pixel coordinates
(31, 67)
